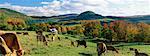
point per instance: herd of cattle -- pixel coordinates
(10, 45)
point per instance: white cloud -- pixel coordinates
(104, 7)
(45, 2)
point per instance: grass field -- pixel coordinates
(63, 47)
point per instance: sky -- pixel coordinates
(59, 7)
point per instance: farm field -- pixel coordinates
(64, 48)
(74, 28)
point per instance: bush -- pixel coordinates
(147, 39)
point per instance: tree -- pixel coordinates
(144, 30)
(132, 32)
(120, 28)
(92, 28)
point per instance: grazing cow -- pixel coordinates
(25, 33)
(54, 33)
(72, 43)
(4, 48)
(81, 42)
(140, 54)
(112, 48)
(43, 39)
(66, 38)
(18, 33)
(101, 48)
(13, 43)
(131, 49)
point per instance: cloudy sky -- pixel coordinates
(58, 7)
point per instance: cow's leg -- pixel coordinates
(37, 40)
(99, 54)
(59, 38)
(77, 45)
(45, 40)
(52, 38)
(85, 45)
(73, 44)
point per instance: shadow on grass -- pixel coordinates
(85, 54)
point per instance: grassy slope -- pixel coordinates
(63, 48)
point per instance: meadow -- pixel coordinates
(64, 48)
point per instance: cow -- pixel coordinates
(54, 33)
(101, 48)
(13, 43)
(137, 53)
(112, 48)
(4, 48)
(81, 42)
(18, 32)
(25, 33)
(41, 37)
(132, 49)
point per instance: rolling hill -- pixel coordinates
(87, 15)
(134, 19)
(12, 14)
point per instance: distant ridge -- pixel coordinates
(87, 15)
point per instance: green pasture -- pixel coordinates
(63, 47)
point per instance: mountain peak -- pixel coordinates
(89, 15)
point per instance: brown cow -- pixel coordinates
(18, 32)
(25, 33)
(140, 54)
(112, 48)
(4, 48)
(42, 38)
(13, 43)
(81, 42)
(132, 49)
(101, 48)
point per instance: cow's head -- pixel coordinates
(20, 52)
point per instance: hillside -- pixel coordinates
(139, 18)
(89, 15)
(4, 12)
(134, 19)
